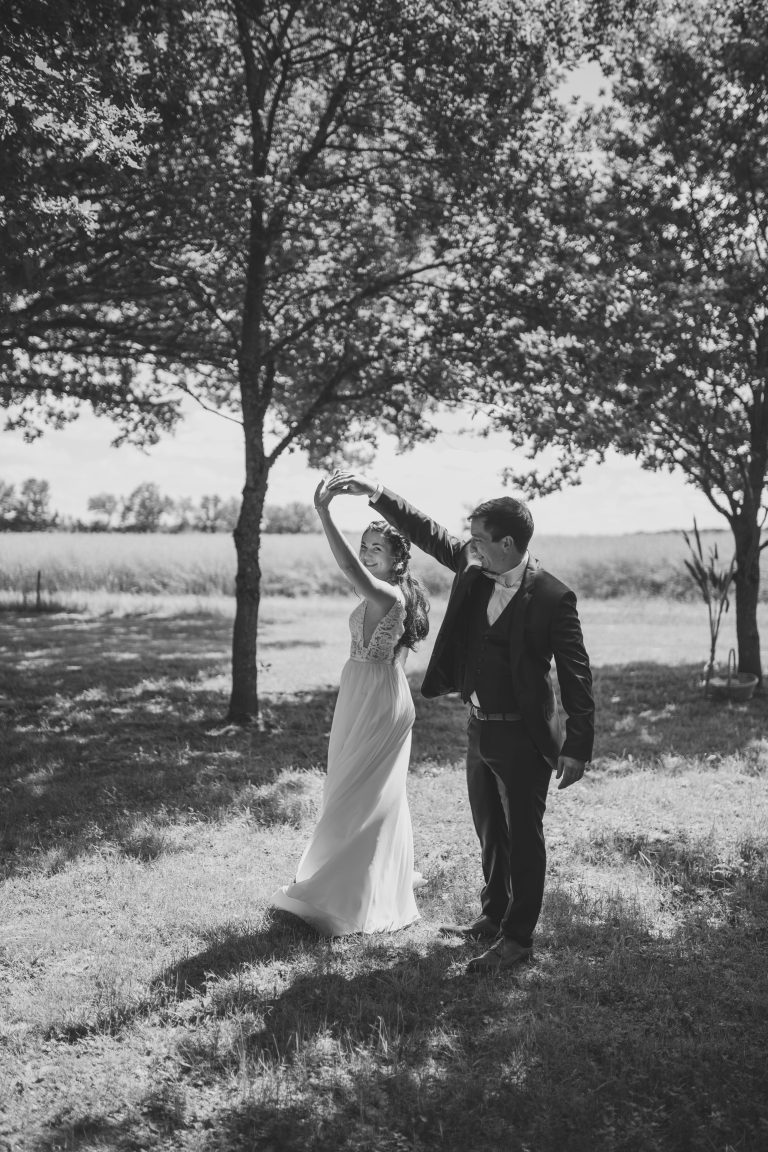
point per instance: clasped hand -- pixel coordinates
(323, 494)
(342, 484)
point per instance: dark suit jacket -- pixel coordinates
(545, 625)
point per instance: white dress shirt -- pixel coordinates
(506, 584)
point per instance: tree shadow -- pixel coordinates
(688, 870)
(617, 1037)
(148, 1123)
(77, 654)
(112, 723)
(558, 1055)
(96, 769)
(281, 938)
(656, 711)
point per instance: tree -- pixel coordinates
(646, 309)
(184, 514)
(290, 518)
(105, 507)
(321, 178)
(56, 95)
(216, 515)
(7, 505)
(143, 510)
(32, 507)
(691, 265)
(66, 119)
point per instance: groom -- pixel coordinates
(506, 619)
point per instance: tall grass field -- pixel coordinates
(597, 567)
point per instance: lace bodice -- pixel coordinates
(381, 647)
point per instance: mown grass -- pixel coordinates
(151, 1001)
(199, 564)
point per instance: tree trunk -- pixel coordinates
(746, 534)
(256, 378)
(244, 700)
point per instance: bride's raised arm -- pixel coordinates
(367, 585)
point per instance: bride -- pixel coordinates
(356, 872)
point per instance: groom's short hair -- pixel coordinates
(506, 516)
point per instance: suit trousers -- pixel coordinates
(507, 782)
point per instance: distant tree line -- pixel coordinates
(29, 509)
(145, 509)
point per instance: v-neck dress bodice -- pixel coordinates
(384, 637)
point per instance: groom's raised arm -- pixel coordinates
(420, 529)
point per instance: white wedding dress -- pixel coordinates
(356, 873)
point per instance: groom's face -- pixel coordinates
(494, 555)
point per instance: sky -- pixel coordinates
(445, 478)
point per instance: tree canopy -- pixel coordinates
(647, 308)
(322, 182)
(363, 141)
(67, 122)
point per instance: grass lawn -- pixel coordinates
(151, 1001)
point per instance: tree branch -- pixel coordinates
(326, 395)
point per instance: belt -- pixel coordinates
(478, 714)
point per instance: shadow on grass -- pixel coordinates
(111, 729)
(280, 939)
(688, 870)
(120, 769)
(655, 710)
(157, 1114)
(617, 1038)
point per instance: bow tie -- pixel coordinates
(503, 580)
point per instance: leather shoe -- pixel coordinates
(500, 957)
(481, 929)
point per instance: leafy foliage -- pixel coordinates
(323, 187)
(641, 323)
(68, 125)
(144, 509)
(57, 96)
(293, 518)
(29, 510)
(352, 158)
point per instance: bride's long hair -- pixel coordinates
(416, 603)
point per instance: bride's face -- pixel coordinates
(376, 555)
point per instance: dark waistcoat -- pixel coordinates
(487, 670)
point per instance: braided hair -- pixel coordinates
(416, 605)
